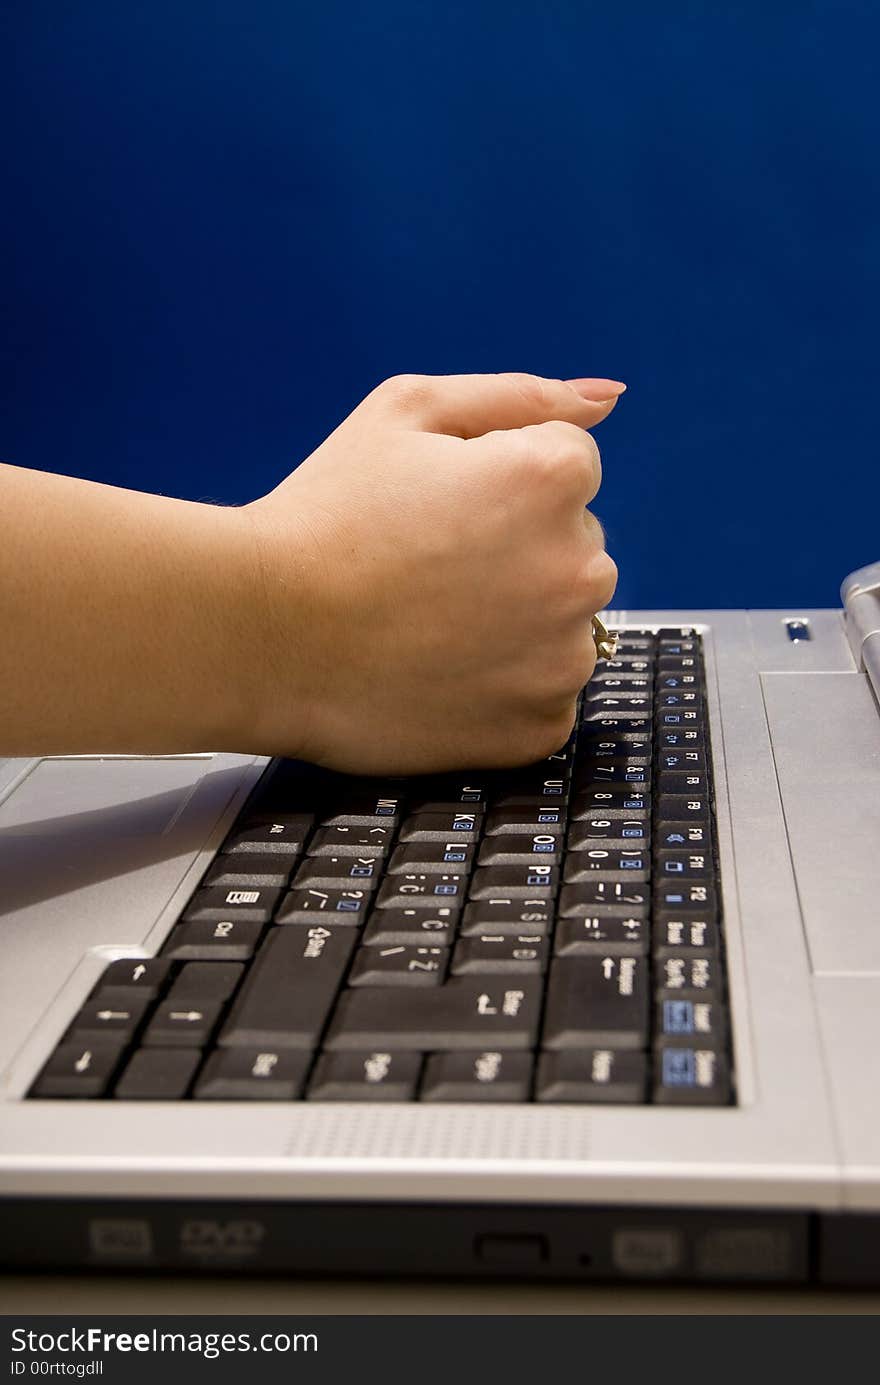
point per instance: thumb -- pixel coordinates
(467, 406)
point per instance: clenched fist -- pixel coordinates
(428, 577)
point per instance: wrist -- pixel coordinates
(272, 699)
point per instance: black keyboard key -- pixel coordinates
(338, 873)
(673, 680)
(421, 890)
(629, 728)
(600, 862)
(682, 808)
(681, 933)
(692, 737)
(698, 970)
(132, 977)
(625, 708)
(690, 896)
(285, 835)
(515, 954)
(445, 794)
(618, 898)
(638, 663)
(206, 981)
(518, 849)
(254, 905)
(182, 1024)
(253, 1074)
(609, 801)
(108, 1019)
(486, 1076)
(674, 836)
(288, 993)
(602, 935)
(79, 1070)
(606, 1075)
(398, 964)
(597, 1002)
(679, 697)
(683, 760)
(623, 833)
(351, 841)
(551, 791)
(465, 1013)
(440, 827)
(689, 1018)
(679, 663)
(518, 882)
(616, 772)
(334, 906)
(363, 809)
(502, 914)
(625, 679)
(248, 870)
(222, 940)
(599, 750)
(683, 783)
(432, 858)
(679, 719)
(685, 865)
(158, 1074)
(412, 927)
(691, 1076)
(366, 1076)
(677, 645)
(629, 643)
(525, 821)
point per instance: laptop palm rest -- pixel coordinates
(825, 732)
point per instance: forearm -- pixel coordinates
(128, 620)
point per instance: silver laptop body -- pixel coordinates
(99, 855)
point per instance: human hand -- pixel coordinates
(429, 574)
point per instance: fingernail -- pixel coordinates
(598, 391)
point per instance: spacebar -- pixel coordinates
(462, 1014)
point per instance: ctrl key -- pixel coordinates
(691, 1076)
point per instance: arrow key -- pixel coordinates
(78, 1070)
(177, 1024)
(100, 1019)
(131, 977)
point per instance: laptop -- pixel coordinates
(611, 1016)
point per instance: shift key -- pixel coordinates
(285, 1001)
(464, 1013)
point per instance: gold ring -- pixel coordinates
(605, 640)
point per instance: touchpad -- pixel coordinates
(825, 729)
(124, 796)
(90, 853)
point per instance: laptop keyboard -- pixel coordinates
(547, 934)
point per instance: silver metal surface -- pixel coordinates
(779, 1147)
(861, 600)
(826, 744)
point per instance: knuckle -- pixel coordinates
(553, 451)
(531, 388)
(601, 580)
(404, 393)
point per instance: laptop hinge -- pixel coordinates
(861, 603)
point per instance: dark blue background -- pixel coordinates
(224, 222)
